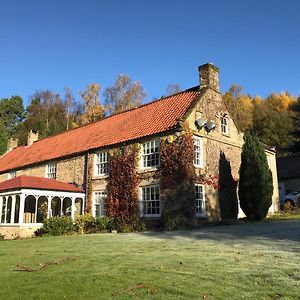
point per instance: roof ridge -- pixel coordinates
(113, 115)
(148, 119)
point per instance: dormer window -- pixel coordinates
(101, 163)
(224, 125)
(51, 170)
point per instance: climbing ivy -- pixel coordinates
(177, 178)
(122, 197)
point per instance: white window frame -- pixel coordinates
(99, 198)
(198, 152)
(3, 209)
(224, 124)
(200, 202)
(147, 153)
(101, 163)
(51, 170)
(148, 199)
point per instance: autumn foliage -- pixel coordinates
(176, 161)
(177, 176)
(122, 198)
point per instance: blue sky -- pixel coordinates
(52, 44)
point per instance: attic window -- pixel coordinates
(198, 152)
(224, 124)
(51, 170)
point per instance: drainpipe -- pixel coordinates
(86, 179)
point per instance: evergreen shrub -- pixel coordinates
(256, 184)
(59, 225)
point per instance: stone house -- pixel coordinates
(80, 157)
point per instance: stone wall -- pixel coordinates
(99, 183)
(3, 177)
(39, 171)
(221, 156)
(17, 232)
(68, 170)
(71, 170)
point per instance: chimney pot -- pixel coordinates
(12, 143)
(32, 137)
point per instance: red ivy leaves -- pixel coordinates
(176, 161)
(122, 185)
(212, 180)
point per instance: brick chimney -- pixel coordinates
(12, 143)
(209, 77)
(32, 137)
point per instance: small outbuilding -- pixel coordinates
(25, 201)
(288, 169)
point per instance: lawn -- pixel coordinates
(247, 261)
(291, 215)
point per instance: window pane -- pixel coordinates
(224, 125)
(197, 152)
(100, 203)
(150, 154)
(51, 170)
(101, 163)
(151, 200)
(200, 201)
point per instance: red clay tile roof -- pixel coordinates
(33, 182)
(146, 120)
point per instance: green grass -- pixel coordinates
(248, 261)
(292, 215)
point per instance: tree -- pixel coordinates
(11, 113)
(69, 101)
(3, 138)
(45, 114)
(295, 145)
(172, 89)
(46, 100)
(57, 116)
(272, 121)
(93, 110)
(124, 95)
(280, 102)
(239, 106)
(256, 185)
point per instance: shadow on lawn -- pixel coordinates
(286, 234)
